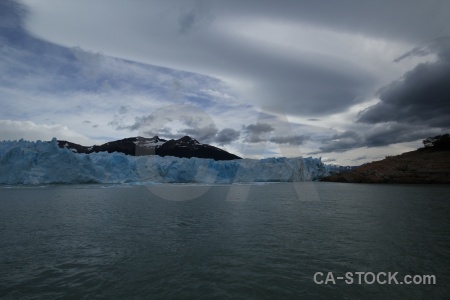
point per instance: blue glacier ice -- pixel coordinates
(25, 162)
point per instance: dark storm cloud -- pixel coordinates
(381, 135)
(258, 128)
(254, 132)
(396, 133)
(226, 136)
(342, 142)
(422, 96)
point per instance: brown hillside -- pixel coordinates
(420, 166)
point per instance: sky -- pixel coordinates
(349, 81)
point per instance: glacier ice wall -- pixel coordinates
(24, 162)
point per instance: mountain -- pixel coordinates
(135, 146)
(189, 147)
(138, 146)
(425, 165)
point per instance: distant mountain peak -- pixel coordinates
(187, 140)
(138, 146)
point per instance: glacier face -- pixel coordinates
(24, 162)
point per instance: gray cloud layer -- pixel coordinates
(226, 136)
(422, 96)
(383, 135)
(259, 132)
(409, 20)
(411, 108)
(223, 39)
(255, 133)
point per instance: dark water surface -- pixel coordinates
(127, 242)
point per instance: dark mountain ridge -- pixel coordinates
(138, 146)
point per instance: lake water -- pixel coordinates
(261, 241)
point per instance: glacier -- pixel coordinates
(27, 162)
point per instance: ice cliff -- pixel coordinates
(24, 162)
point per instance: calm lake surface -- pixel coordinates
(263, 241)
